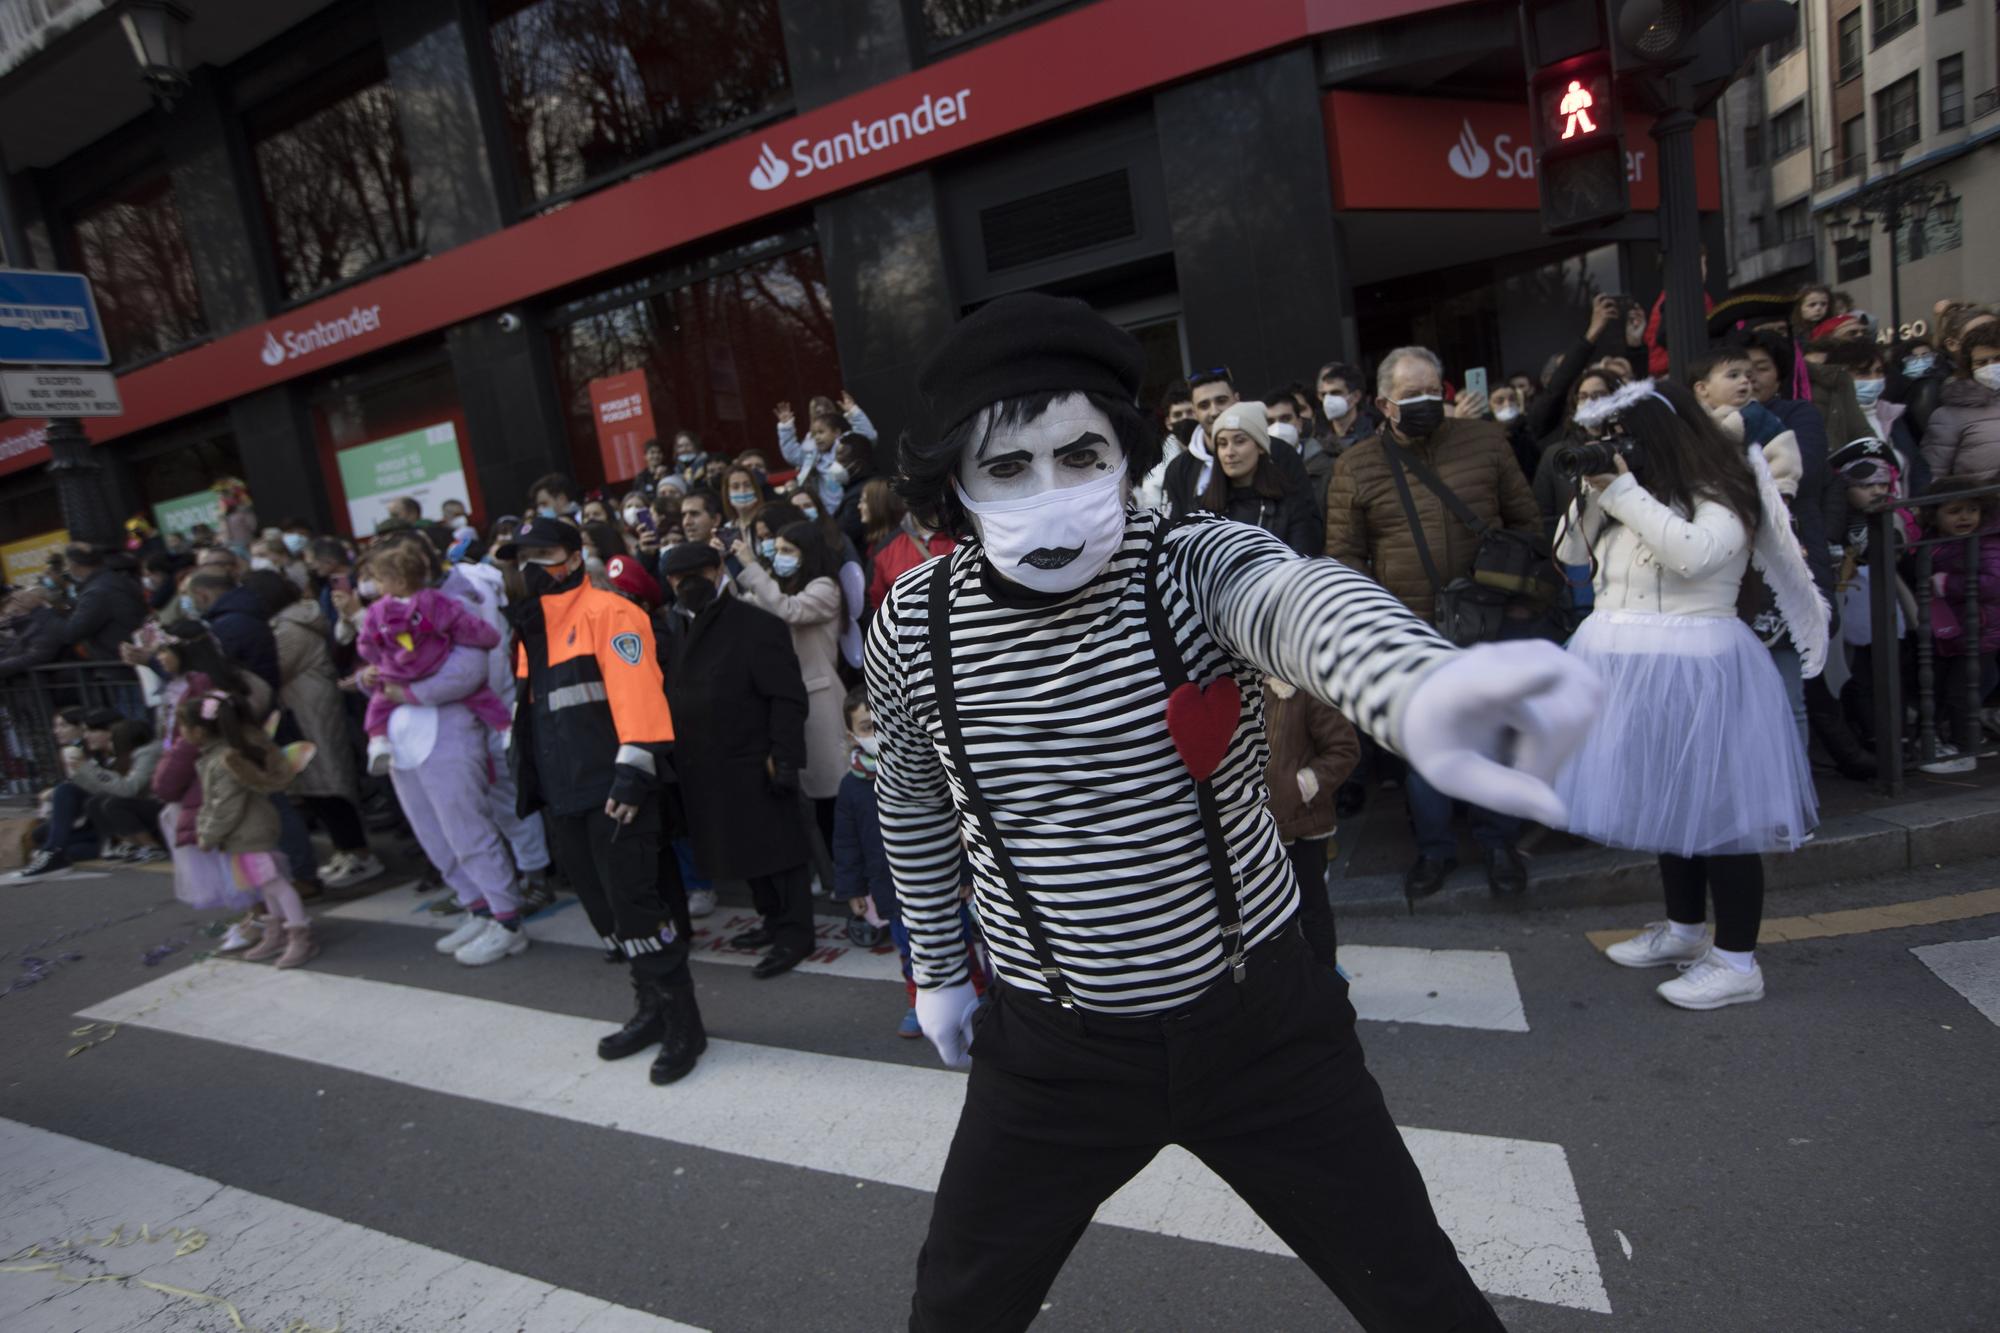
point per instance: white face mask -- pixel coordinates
(1335, 406)
(1989, 375)
(369, 589)
(870, 745)
(633, 517)
(1056, 540)
(1506, 414)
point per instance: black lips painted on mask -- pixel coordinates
(1051, 557)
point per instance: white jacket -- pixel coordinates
(1654, 558)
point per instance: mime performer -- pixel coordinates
(1076, 692)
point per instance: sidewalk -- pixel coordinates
(1936, 822)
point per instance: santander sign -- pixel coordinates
(288, 344)
(932, 112)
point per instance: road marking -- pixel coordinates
(1970, 967)
(1510, 1204)
(1853, 921)
(274, 1262)
(1468, 988)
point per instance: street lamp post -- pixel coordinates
(1896, 203)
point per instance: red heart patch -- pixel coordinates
(1201, 721)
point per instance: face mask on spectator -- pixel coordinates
(635, 517)
(784, 566)
(741, 500)
(768, 547)
(262, 562)
(369, 589)
(870, 745)
(1917, 365)
(547, 511)
(1503, 415)
(539, 575)
(694, 595)
(1989, 375)
(1867, 391)
(1335, 406)
(809, 512)
(1419, 417)
(295, 542)
(1184, 429)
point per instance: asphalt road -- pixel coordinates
(399, 1135)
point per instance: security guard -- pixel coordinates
(592, 744)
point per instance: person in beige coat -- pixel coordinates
(801, 587)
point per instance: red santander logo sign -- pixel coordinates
(1423, 153)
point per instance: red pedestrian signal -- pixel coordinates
(1576, 104)
(1579, 142)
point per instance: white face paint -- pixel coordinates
(1047, 496)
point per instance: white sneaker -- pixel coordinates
(241, 936)
(466, 932)
(379, 756)
(1710, 983)
(1657, 946)
(491, 944)
(701, 902)
(350, 868)
(1949, 760)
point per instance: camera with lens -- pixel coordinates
(1590, 458)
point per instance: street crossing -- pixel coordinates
(1970, 967)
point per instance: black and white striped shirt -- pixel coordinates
(1064, 712)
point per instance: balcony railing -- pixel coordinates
(26, 26)
(1986, 103)
(1898, 19)
(1846, 168)
(1897, 142)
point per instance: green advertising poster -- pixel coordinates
(421, 464)
(172, 516)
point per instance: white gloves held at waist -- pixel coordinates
(945, 1015)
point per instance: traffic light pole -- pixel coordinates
(1685, 314)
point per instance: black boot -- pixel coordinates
(647, 1025)
(1828, 722)
(685, 1039)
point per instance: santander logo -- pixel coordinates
(272, 353)
(1466, 157)
(288, 344)
(770, 171)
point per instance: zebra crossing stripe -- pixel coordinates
(1466, 988)
(1510, 1204)
(1970, 967)
(74, 1210)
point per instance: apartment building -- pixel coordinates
(1767, 169)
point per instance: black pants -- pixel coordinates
(1315, 912)
(1263, 1081)
(125, 817)
(1737, 884)
(342, 819)
(784, 900)
(616, 874)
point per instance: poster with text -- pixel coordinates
(25, 561)
(623, 413)
(181, 515)
(423, 464)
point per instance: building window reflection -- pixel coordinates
(131, 244)
(717, 351)
(949, 20)
(589, 88)
(336, 181)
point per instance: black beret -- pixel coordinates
(1027, 343)
(687, 557)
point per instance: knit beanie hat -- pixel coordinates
(1248, 418)
(1022, 344)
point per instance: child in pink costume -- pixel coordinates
(406, 636)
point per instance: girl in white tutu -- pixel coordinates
(1695, 757)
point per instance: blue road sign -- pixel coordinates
(49, 319)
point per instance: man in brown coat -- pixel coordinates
(1368, 529)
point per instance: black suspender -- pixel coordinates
(1168, 658)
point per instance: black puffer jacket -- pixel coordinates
(109, 607)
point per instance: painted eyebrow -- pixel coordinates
(1015, 456)
(1083, 441)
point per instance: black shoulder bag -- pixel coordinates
(1508, 568)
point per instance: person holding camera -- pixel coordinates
(1397, 510)
(1694, 757)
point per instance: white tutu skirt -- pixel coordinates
(1696, 752)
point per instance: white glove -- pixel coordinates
(1495, 724)
(945, 1015)
(1308, 785)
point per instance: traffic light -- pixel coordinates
(1573, 109)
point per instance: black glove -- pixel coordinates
(784, 778)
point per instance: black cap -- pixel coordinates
(539, 531)
(1028, 343)
(688, 557)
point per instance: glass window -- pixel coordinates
(1788, 130)
(1753, 145)
(1793, 221)
(131, 244)
(1853, 146)
(588, 88)
(336, 181)
(1850, 45)
(1893, 17)
(1792, 37)
(717, 352)
(1896, 126)
(945, 20)
(1943, 5)
(1951, 92)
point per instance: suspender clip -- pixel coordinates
(1052, 978)
(1233, 945)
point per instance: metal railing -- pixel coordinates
(29, 758)
(1986, 103)
(1841, 169)
(1897, 142)
(27, 26)
(1885, 549)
